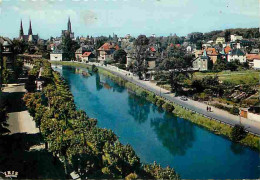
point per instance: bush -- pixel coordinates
(168, 107)
(238, 133)
(94, 68)
(234, 111)
(159, 102)
(131, 176)
(152, 98)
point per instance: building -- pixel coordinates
(30, 37)
(87, 56)
(68, 31)
(236, 54)
(252, 113)
(57, 55)
(235, 37)
(79, 52)
(220, 40)
(202, 63)
(253, 60)
(227, 49)
(8, 59)
(211, 52)
(105, 52)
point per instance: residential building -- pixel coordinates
(253, 60)
(151, 58)
(236, 54)
(79, 52)
(220, 40)
(105, 52)
(235, 37)
(211, 52)
(56, 55)
(30, 37)
(227, 49)
(202, 63)
(189, 49)
(87, 56)
(254, 51)
(8, 59)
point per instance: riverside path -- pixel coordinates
(198, 107)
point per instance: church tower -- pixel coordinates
(30, 29)
(21, 31)
(69, 25)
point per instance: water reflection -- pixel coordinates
(237, 148)
(175, 134)
(139, 108)
(98, 82)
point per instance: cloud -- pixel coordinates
(88, 17)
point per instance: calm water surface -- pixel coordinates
(158, 136)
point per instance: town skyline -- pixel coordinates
(93, 18)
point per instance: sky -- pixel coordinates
(105, 17)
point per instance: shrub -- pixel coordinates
(234, 111)
(131, 176)
(159, 102)
(238, 133)
(168, 107)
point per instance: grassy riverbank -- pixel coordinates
(211, 125)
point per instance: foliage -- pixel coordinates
(69, 47)
(74, 137)
(120, 56)
(168, 107)
(238, 133)
(3, 118)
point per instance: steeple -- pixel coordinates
(69, 25)
(30, 29)
(21, 30)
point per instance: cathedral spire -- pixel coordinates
(69, 25)
(21, 30)
(30, 29)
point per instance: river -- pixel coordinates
(159, 136)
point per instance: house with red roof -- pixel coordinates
(87, 56)
(105, 52)
(211, 52)
(253, 60)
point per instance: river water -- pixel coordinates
(159, 136)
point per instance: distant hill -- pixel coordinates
(247, 33)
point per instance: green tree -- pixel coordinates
(120, 56)
(238, 133)
(69, 47)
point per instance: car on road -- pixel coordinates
(184, 98)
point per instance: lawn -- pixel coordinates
(250, 77)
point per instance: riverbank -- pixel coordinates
(209, 124)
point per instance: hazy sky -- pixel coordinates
(103, 17)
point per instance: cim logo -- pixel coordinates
(11, 174)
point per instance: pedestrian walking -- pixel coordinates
(207, 108)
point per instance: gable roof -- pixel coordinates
(251, 57)
(152, 49)
(86, 54)
(108, 46)
(237, 52)
(227, 49)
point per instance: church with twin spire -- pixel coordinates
(30, 37)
